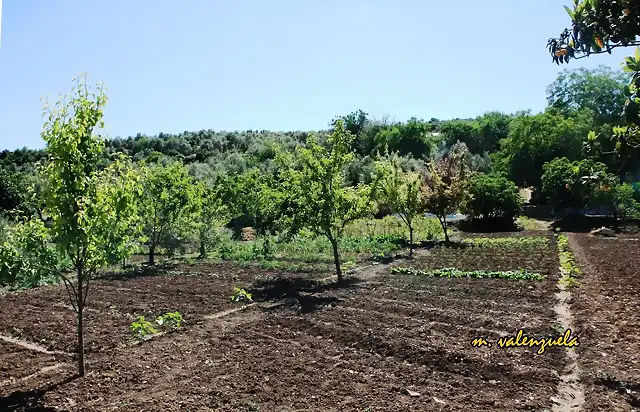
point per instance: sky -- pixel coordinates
(276, 65)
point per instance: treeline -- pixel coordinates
(579, 123)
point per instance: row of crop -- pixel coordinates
(570, 271)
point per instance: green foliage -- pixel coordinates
(507, 242)
(316, 189)
(537, 139)
(444, 186)
(600, 90)
(521, 274)
(597, 27)
(567, 263)
(90, 208)
(493, 197)
(586, 183)
(241, 295)
(390, 227)
(28, 258)
(13, 192)
(399, 191)
(142, 328)
(166, 202)
(211, 213)
(170, 320)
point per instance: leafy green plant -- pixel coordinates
(521, 274)
(142, 328)
(170, 320)
(524, 241)
(241, 295)
(567, 263)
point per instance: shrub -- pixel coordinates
(493, 198)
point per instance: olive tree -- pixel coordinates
(89, 207)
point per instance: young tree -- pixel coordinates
(445, 184)
(85, 208)
(316, 188)
(211, 214)
(166, 201)
(399, 191)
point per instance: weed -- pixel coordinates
(241, 295)
(521, 274)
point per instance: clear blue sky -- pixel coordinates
(172, 66)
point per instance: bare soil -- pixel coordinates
(376, 342)
(607, 311)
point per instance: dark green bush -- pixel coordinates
(493, 198)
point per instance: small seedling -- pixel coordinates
(241, 295)
(170, 320)
(142, 328)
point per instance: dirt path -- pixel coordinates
(570, 389)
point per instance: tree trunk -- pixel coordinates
(410, 240)
(80, 305)
(443, 223)
(336, 257)
(152, 255)
(446, 233)
(203, 250)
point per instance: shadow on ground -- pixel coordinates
(138, 271)
(306, 294)
(31, 401)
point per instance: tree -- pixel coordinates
(493, 198)
(166, 201)
(13, 191)
(536, 139)
(599, 27)
(445, 184)
(83, 206)
(567, 184)
(211, 214)
(399, 191)
(316, 188)
(600, 90)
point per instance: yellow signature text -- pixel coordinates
(521, 340)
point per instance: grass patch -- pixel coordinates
(520, 274)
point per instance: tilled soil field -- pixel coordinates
(607, 309)
(378, 342)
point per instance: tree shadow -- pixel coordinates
(30, 401)
(303, 293)
(138, 272)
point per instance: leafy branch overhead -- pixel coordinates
(597, 27)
